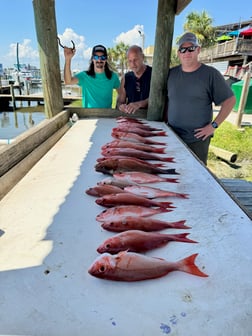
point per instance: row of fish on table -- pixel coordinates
(131, 203)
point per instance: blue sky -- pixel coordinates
(89, 22)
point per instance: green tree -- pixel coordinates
(174, 58)
(201, 25)
(117, 57)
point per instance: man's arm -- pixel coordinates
(121, 98)
(226, 108)
(68, 79)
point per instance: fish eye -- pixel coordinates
(102, 269)
(107, 245)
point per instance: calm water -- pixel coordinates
(14, 123)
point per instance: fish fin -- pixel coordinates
(180, 225)
(182, 237)
(166, 205)
(171, 171)
(171, 180)
(168, 159)
(187, 265)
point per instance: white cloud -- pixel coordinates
(133, 36)
(26, 53)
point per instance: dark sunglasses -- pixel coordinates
(182, 50)
(102, 58)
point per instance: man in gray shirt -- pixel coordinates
(192, 89)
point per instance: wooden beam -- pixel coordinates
(181, 4)
(45, 20)
(161, 58)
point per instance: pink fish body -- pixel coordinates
(130, 266)
(150, 192)
(119, 183)
(125, 198)
(104, 189)
(112, 165)
(130, 120)
(142, 223)
(135, 138)
(129, 125)
(131, 152)
(140, 241)
(141, 177)
(121, 211)
(139, 131)
(134, 145)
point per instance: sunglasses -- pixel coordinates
(102, 58)
(182, 50)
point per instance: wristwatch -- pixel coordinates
(214, 124)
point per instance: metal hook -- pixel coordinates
(73, 48)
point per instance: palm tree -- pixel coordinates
(174, 58)
(118, 57)
(201, 25)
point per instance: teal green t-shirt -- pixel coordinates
(97, 91)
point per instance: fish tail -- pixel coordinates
(171, 180)
(166, 205)
(170, 171)
(159, 150)
(188, 265)
(183, 195)
(162, 133)
(180, 225)
(168, 159)
(182, 237)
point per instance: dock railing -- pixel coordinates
(235, 47)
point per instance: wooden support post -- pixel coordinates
(161, 59)
(243, 100)
(45, 20)
(13, 97)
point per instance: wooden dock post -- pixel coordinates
(45, 20)
(161, 59)
(13, 97)
(244, 96)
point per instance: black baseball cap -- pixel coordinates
(99, 48)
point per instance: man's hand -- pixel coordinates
(204, 132)
(130, 108)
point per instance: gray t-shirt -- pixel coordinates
(190, 98)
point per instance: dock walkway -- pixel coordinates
(38, 98)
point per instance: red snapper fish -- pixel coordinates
(130, 266)
(119, 157)
(141, 177)
(140, 241)
(111, 166)
(134, 145)
(131, 120)
(112, 200)
(122, 211)
(142, 132)
(131, 152)
(114, 182)
(137, 125)
(135, 138)
(142, 223)
(150, 192)
(104, 189)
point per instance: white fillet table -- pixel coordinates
(49, 240)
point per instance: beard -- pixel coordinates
(99, 65)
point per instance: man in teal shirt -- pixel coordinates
(97, 83)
